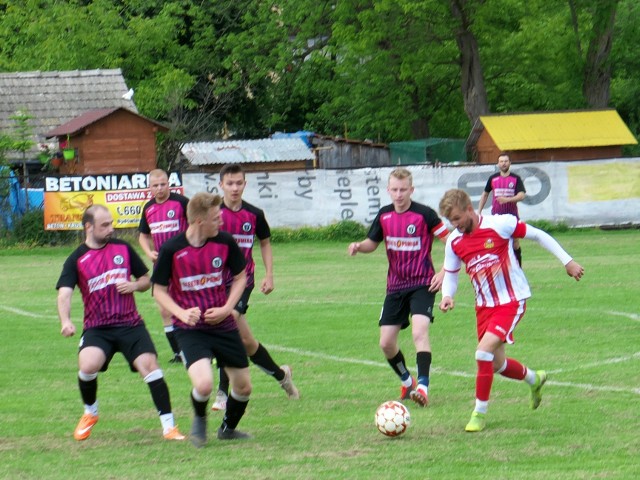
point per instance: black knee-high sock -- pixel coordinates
(199, 408)
(263, 360)
(160, 396)
(223, 383)
(233, 414)
(88, 391)
(423, 360)
(171, 338)
(399, 366)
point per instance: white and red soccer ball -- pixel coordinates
(392, 418)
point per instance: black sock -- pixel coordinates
(173, 343)
(160, 396)
(88, 390)
(263, 360)
(199, 408)
(233, 414)
(423, 360)
(223, 384)
(399, 366)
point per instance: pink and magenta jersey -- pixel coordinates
(195, 276)
(507, 186)
(487, 252)
(245, 225)
(408, 237)
(164, 220)
(97, 272)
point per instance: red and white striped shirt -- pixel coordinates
(487, 252)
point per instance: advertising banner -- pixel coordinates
(585, 193)
(66, 198)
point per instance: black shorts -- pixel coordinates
(243, 304)
(131, 341)
(399, 305)
(226, 347)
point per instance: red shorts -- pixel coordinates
(500, 320)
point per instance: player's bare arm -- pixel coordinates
(217, 314)
(267, 258)
(67, 329)
(365, 246)
(145, 241)
(574, 270)
(141, 284)
(190, 316)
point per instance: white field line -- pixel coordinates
(24, 313)
(453, 373)
(631, 316)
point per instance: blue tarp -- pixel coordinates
(13, 201)
(301, 134)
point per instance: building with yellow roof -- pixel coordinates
(549, 136)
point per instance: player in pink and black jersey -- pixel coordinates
(163, 217)
(408, 229)
(190, 281)
(484, 245)
(508, 189)
(247, 223)
(102, 268)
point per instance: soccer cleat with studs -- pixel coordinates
(225, 433)
(85, 425)
(220, 403)
(173, 434)
(419, 395)
(287, 383)
(536, 389)
(405, 392)
(198, 435)
(476, 423)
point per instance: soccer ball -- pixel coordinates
(392, 418)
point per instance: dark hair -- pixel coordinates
(230, 169)
(89, 215)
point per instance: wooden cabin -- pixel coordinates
(111, 140)
(546, 137)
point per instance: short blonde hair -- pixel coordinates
(454, 198)
(200, 204)
(401, 173)
(158, 172)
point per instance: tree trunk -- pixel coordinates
(474, 92)
(597, 70)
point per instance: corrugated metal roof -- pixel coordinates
(247, 151)
(558, 130)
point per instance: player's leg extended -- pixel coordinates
(236, 404)
(395, 357)
(90, 361)
(420, 330)
(147, 366)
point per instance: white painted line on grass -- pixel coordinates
(582, 386)
(631, 316)
(24, 313)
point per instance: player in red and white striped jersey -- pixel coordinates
(485, 246)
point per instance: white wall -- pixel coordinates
(604, 192)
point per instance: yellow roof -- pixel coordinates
(558, 130)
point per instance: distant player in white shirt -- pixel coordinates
(485, 246)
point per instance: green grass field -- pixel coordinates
(322, 320)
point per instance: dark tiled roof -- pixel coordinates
(78, 123)
(54, 98)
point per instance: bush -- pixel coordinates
(29, 230)
(344, 231)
